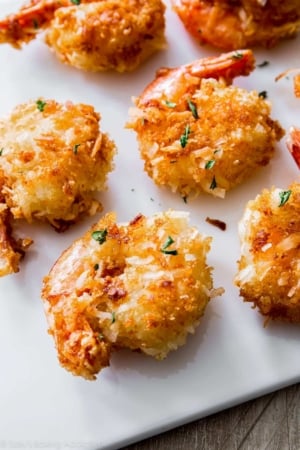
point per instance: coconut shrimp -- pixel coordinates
(142, 285)
(239, 24)
(93, 35)
(269, 267)
(197, 132)
(53, 159)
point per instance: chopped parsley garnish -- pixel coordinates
(284, 196)
(184, 137)
(113, 317)
(209, 164)
(76, 2)
(96, 266)
(1, 151)
(263, 64)
(41, 105)
(193, 108)
(166, 245)
(170, 104)
(237, 55)
(213, 184)
(75, 148)
(100, 236)
(263, 94)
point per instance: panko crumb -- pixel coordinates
(269, 267)
(142, 285)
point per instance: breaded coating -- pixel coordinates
(142, 285)
(198, 133)
(93, 35)
(241, 23)
(269, 267)
(54, 158)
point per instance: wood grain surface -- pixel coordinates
(271, 422)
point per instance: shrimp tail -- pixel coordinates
(227, 65)
(174, 83)
(293, 145)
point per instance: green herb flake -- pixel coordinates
(166, 245)
(100, 336)
(1, 151)
(41, 105)
(193, 108)
(76, 2)
(184, 137)
(209, 164)
(213, 184)
(263, 94)
(113, 317)
(237, 55)
(75, 148)
(100, 236)
(96, 266)
(263, 64)
(284, 196)
(170, 104)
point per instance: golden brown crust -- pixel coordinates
(269, 269)
(239, 24)
(201, 135)
(93, 35)
(142, 285)
(54, 157)
(108, 34)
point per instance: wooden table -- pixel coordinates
(271, 422)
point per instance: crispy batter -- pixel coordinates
(269, 267)
(93, 35)
(142, 285)
(241, 23)
(52, 161)
(197, 133)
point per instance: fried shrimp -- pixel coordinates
(239, 24)
(197, 132)
(142, 285)
(53, 158)
(93, 35)
(269, 267)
